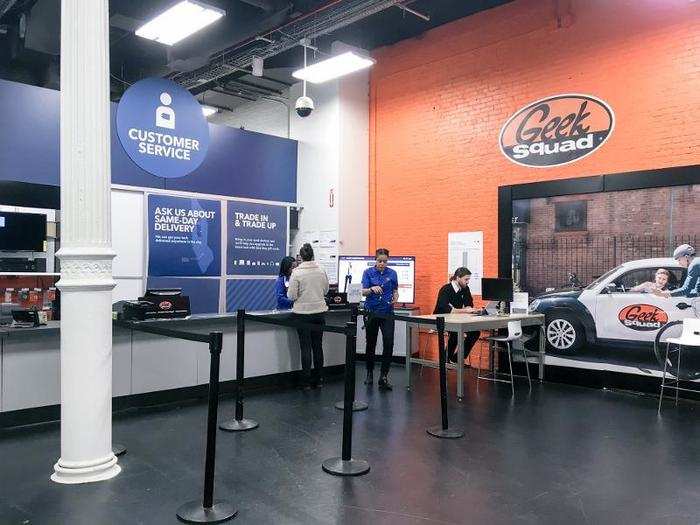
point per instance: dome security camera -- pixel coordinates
(304, 106)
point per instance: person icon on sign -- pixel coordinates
(165, 115)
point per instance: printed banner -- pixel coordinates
(184, 236)
(257, 238)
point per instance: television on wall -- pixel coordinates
(351, 267)
(22, 232)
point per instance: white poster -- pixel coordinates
(467, 249)
(325, 247)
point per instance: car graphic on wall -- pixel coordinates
(612, 309)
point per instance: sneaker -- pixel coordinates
(384, 384)
(370, 378)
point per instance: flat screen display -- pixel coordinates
(351, 267)
(22, 232)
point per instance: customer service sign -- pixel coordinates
(161, 127)
(556, 130)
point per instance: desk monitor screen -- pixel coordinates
(496, 289)
(351, 267)
(22, 231)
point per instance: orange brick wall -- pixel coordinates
(438, 103)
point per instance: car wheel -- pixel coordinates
(563, 333)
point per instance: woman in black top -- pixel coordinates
(455, 298)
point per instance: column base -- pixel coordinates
(89, 473)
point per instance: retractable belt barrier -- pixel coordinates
(208, 510)
(345, 465)
(443, 430)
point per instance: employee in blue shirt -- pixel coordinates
(380, 286)
(685, 255)
(287, 264)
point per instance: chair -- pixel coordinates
(422, 354)
(515, 333)
(690, 337)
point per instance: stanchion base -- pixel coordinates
(449, 433)
(236, 425)
(351, 467)
(193, 512)
(357, 406)
(118, 449)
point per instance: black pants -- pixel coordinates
(310, 342)
(470, 339)
(372, 326)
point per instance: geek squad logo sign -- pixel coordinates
(642, 317)
(556, 130)
(161, 127)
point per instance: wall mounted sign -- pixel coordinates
(644, 317)
(161, 127)
(556, 130)
(257, 238)
(184, 236)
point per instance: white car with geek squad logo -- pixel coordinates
(612, 309)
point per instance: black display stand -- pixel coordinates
(357, 406)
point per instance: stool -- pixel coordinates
(421, 355)
(690, 336)
(515, 333)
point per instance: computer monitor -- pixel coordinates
(494, 289)
(22, 231)
(351, 268)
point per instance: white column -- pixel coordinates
(86, 253)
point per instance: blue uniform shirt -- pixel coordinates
(389, 282)
(283, 303)
(691, 286)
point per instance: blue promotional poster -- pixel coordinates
(257, 238)
(162, 128)
(184, 237)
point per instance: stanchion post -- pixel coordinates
(357, 406)
(239, 423)
(210, 511)
(443, 431)
(346, 465)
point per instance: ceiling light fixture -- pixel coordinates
(180, 21)
(208, 111)
(334, 67)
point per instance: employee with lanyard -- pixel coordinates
(455, 298)
(380, 286)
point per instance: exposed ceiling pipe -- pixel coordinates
(333, 15)
(6, 5)
(407, 9)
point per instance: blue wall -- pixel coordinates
(239, 163)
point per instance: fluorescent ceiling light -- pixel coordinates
(208, 111)
(180, 21)
(333, 67)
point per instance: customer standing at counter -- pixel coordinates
(380, 286)
(287, 264)
(308, 286)
(456, 298)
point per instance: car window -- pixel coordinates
(677, 277)
(628, 281)
(633, 278)
(601, 278)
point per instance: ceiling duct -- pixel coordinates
(328, 18)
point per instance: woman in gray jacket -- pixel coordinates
(308, 287)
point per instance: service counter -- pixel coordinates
(143, 363)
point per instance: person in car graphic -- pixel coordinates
(685, 255)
